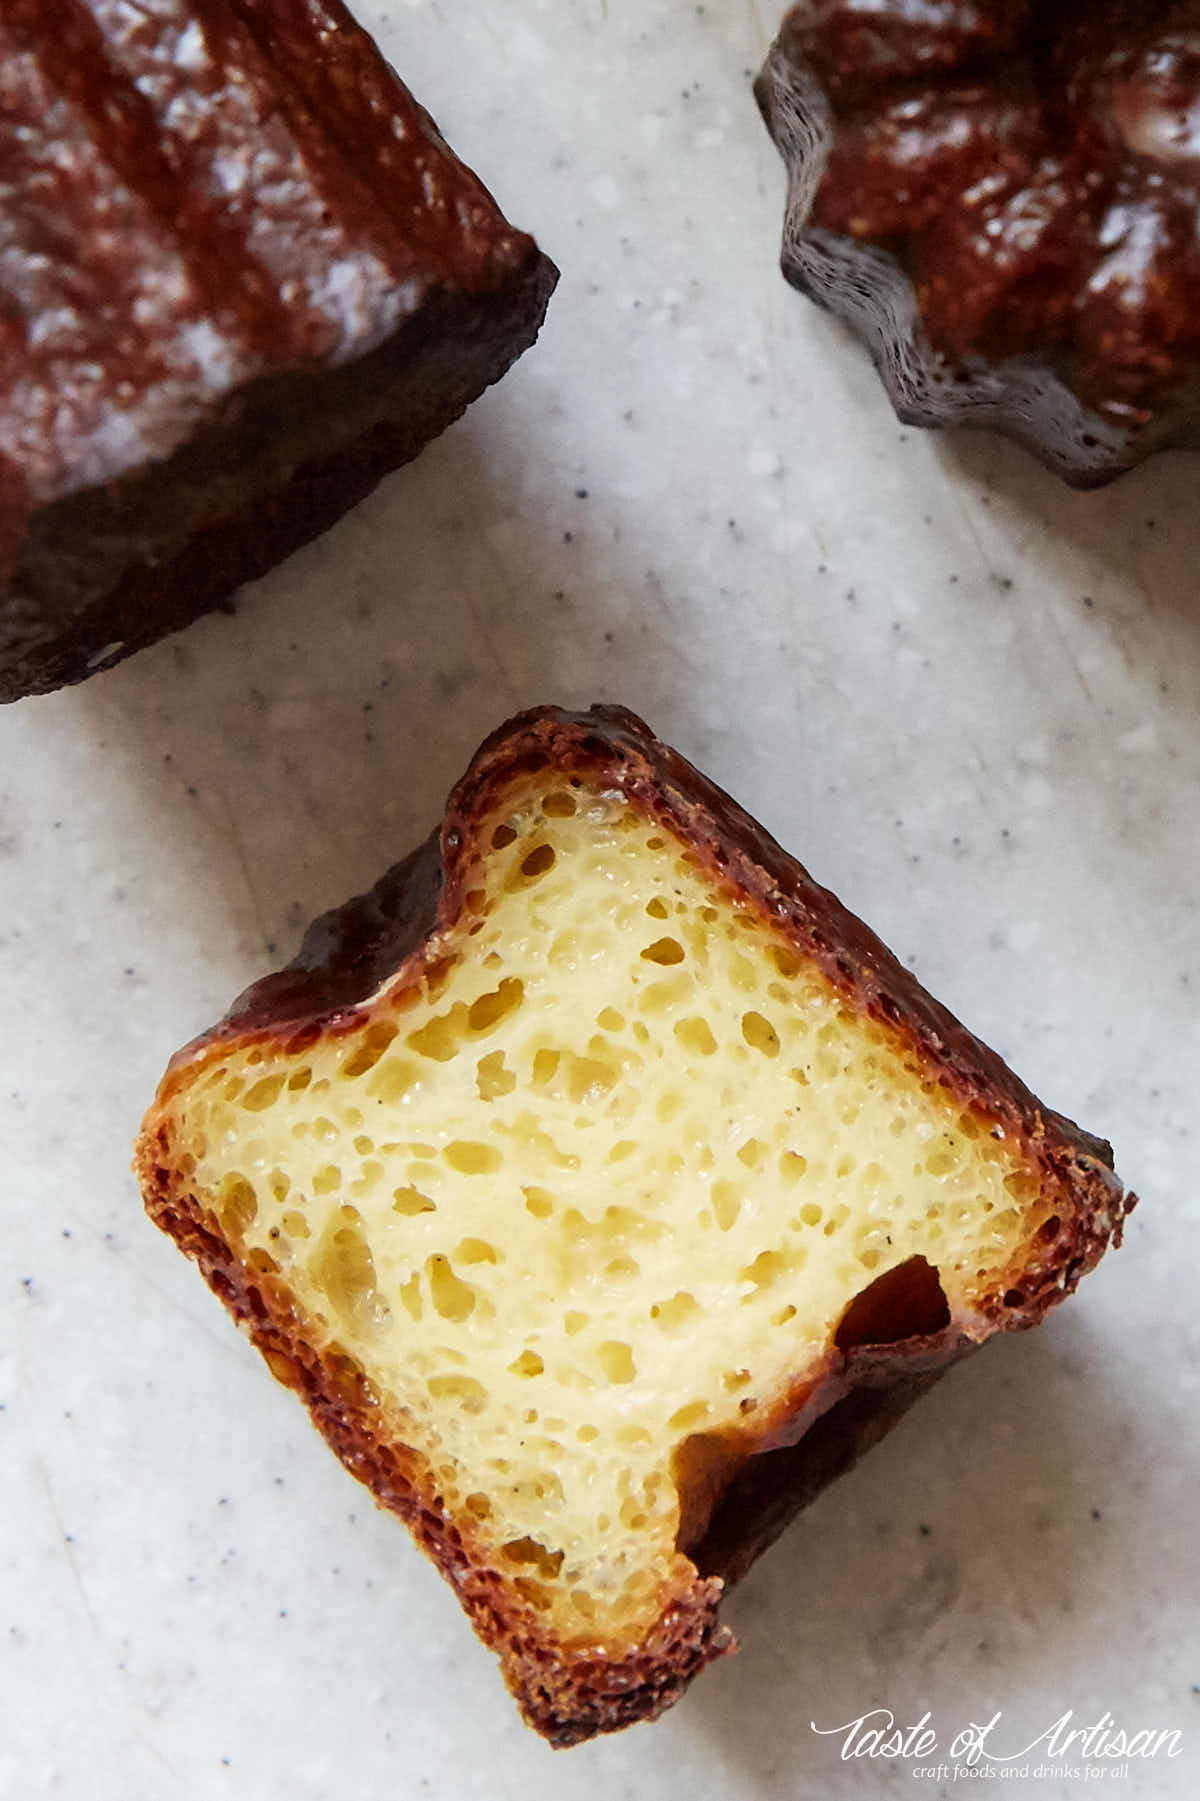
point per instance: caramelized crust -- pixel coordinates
(1005, 200)
(598, 1101)
(241, 277)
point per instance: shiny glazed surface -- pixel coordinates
(1036, 171)
(191, 200)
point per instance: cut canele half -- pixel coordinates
(605, 1188)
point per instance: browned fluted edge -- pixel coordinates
(435, 365)
(572, 1692)
(864, 286)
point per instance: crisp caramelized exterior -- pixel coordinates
(1002, 197)
(605, 1188)
(241, 278)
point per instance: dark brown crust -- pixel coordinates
(891, 1352)
(354, 319)
(568, 1695)
(1088, 417)
(771, 1489)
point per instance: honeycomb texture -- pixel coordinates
(596, 1193)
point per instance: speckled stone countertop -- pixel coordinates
(966, 697)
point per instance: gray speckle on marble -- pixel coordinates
(965, 696)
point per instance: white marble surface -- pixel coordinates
(965, 696)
